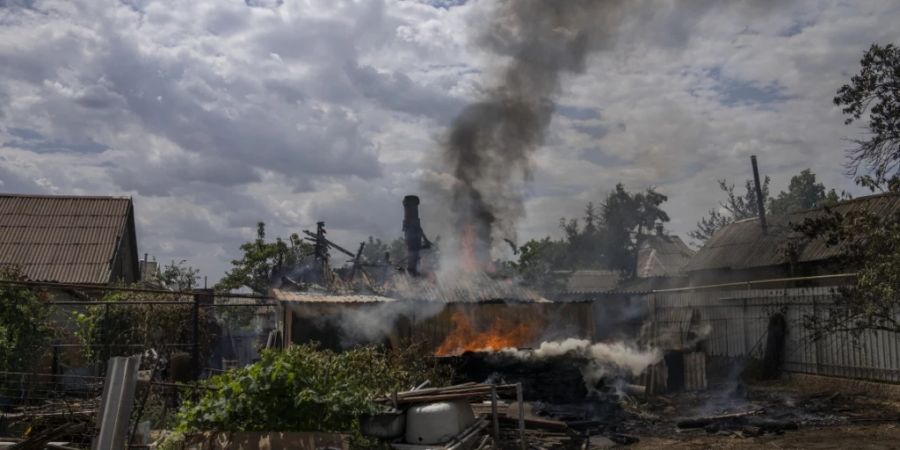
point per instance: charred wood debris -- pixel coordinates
(546, 405)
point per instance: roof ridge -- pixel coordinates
(53, 196)
(848, 201)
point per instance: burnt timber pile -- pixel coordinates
(555, 379)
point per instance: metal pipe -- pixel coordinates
(760, 206)
(754, 282)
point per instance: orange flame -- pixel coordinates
(502, 333)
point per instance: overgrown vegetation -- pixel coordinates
(869, 240)
(263, 262)
(178, 276)
(735, 207)
(804, 192)
(869, 243)
(304, 388)
(122, 329)
(24, 329)
(874, 95)
(605, 239)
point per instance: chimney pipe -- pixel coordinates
(760, 206)
(412, 233)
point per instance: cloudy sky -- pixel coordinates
(216, 114)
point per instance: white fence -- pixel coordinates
(739, 320)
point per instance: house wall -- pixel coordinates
(125, 267)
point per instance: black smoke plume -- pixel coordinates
(491, 142)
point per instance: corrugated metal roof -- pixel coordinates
(466, 288)
(661, 256)
(309, 297)
(742, 245)
(592, 281)
(62, 239)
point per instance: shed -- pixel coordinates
(69, 239)
(341, 321)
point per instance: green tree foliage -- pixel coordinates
(735, 207)
(604, 239)
(123, 329)
(803, 193)
(24, 329)
(869, 243)
(585, 245)
(874, 94)
(178, 276)
(304, 388)
(375, 250)
(627, 218)
(262, 261)
(538, 259)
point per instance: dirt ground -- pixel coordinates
(784, 416)
(863, 437)
(832, 420)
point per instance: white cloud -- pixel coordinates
(215, 115)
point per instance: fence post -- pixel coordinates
(104, 330)
(195, 337)
(201, 297)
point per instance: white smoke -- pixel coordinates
(604, 360)
(361, 323)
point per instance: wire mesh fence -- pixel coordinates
(182, 337)
(32, 402)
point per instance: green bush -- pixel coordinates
(304, 388)
(122, 329)
(24, 329)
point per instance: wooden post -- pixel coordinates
(522, 444)
(195, 337)
(494, 417)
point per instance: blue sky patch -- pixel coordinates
(734, 92)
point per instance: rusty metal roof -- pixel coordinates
(62, 239)
(742, 245)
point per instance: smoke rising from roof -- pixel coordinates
(488, 151)
(491, 142)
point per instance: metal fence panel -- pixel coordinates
(739, 319)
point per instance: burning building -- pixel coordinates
(449, 312)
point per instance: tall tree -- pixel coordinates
(735, 207)
(803, 193)
(178, 276)
(874, 94)
(868, 239)
(584, 244)
(263, 261)
(627, 218)
(539, 259)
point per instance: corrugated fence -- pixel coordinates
(738, 321)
